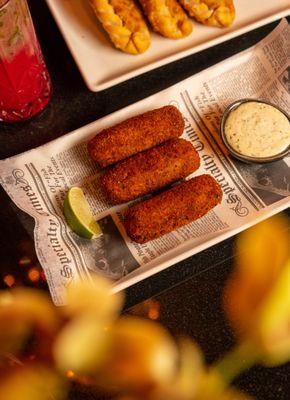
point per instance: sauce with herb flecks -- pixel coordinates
(257, 130)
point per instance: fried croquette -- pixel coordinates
(150, 170)
(172, 209)
(136, 134)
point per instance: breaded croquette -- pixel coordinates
(149, 171)
(136, 134)
(172, 209)
(124, 23)
(167, 18)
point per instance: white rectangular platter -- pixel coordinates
(102, 66)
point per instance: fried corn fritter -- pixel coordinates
(124, 23)
(149, 171)
(172, 209)
(136, 134)
(167, 18)
(219, 13)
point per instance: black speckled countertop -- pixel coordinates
(189, 293)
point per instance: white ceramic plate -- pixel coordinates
(103, 66)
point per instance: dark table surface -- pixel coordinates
(189, 293)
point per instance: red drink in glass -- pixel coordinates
(25, 86)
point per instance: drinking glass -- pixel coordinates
(25, 87)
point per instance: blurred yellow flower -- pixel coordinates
(213, 387)
(274, 322)
(94, 297)
(231, 394)
(257, 297)
(137, 358)
(141, 354)
(81, 345)
(206, 387)
(34, 382)
(24, 312)
(83, 342)
(186, 381)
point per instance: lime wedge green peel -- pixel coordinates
(78, 214)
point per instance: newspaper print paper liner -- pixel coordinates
(38, 180)
(102, 66)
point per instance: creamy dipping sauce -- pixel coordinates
(257, 130)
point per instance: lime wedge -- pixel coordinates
(78, 214)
